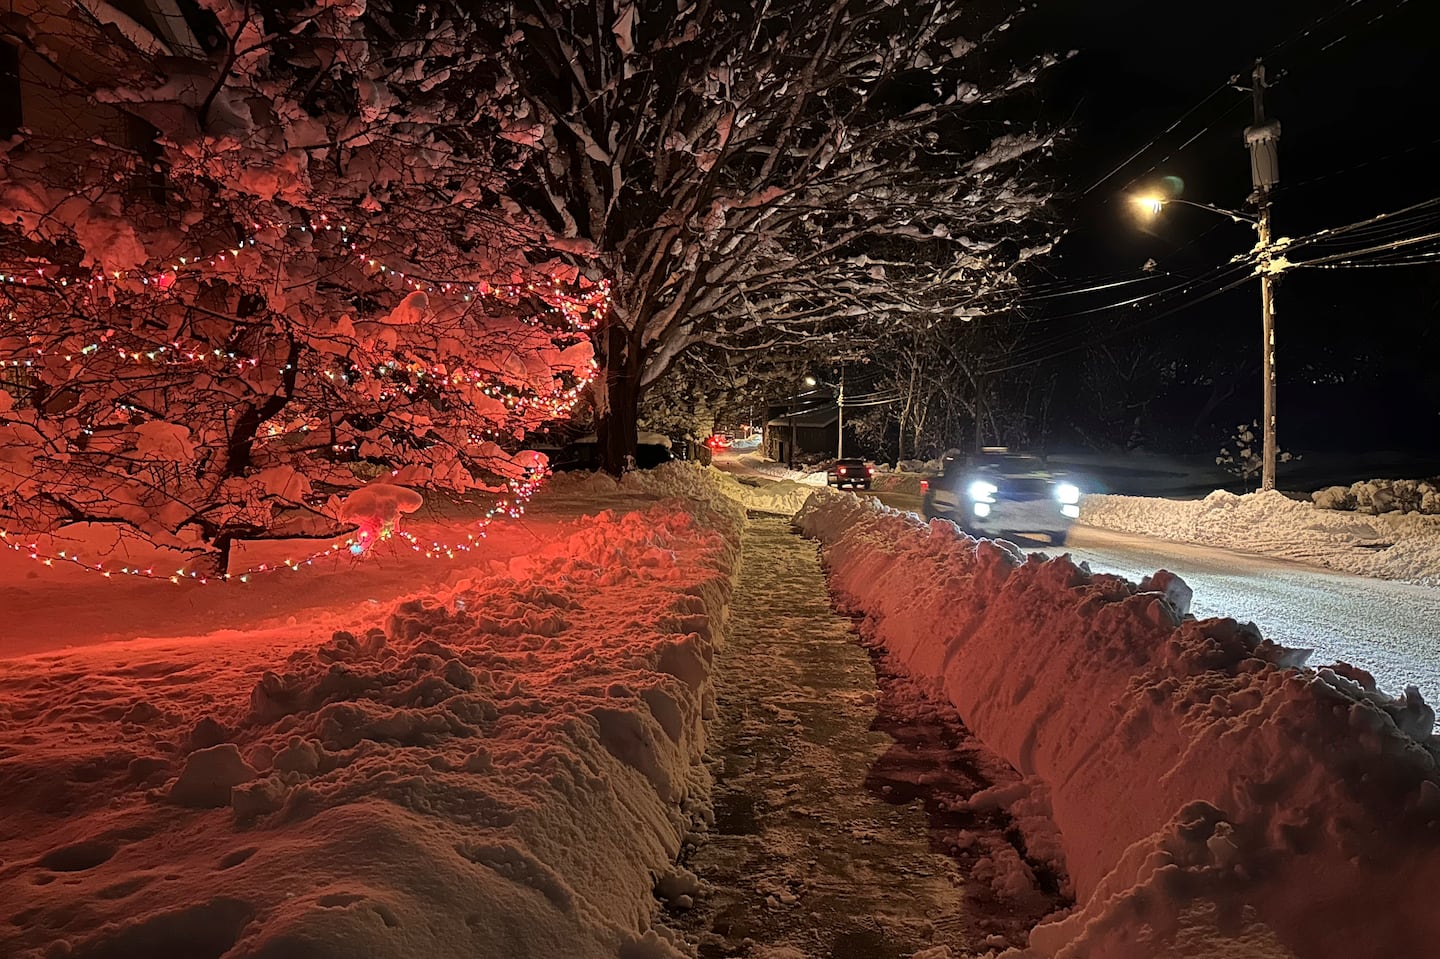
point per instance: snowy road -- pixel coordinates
(1391, 629)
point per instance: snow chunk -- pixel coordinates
(379, 505)
(415, 308)
(209, 775)
(164, 441)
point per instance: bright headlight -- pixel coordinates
(1067, 493)
(981, 491)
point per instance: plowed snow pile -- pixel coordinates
(1388, 546)
(503, 770)
(1214, 798)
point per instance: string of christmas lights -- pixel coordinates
(363, 542)
(571, 306)
(176, 354)
(581, 312)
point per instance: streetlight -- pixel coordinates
(1152, 204)
(812, 382)
(1262, 141)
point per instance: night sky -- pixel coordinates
(1354, 91)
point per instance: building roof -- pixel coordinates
(824, 416)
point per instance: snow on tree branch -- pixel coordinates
(732, 164)
(235, 285)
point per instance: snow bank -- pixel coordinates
(1382, 496)
(784, 497)
(1210, 795)
(682, 481)
(1392, 546)
(755, 463)
(898, 482)
(504, 770)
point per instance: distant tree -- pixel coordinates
(923, 384)
(762, 173)
(709, 386)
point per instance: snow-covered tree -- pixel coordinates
(710, 387)
(1240, 456)
(241, 270)
(762, 172)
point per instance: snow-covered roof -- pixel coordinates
(824, 417)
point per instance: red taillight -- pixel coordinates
(842, 471)
(870, 470)
(924, 486)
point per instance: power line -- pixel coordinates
(1098, 287)
(1214, 273)
(1204, 100)
(1391, 221)
(1169, 156)
(1119, 330)
(1163, 133)
(1379, 16)
(1312, 26)
(1418, 259)
(1039, 352)
(1395, 245)
(1304, 32)
(1397, 219)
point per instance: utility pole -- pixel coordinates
(840, 417)
(1263, 141)
(791, 411)
(979, 413)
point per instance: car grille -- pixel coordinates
(1024, 489)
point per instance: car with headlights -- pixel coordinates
(852, 471)
(1001, 492)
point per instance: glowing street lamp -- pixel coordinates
(812, 382)
(1149, 203)
(1152, 203)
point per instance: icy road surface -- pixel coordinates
(1389, 628)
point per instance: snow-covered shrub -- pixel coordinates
(1242, 453)
(1334, 497)
(1382, 496)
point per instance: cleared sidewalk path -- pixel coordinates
(841, 828)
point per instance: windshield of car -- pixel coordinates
(1011, 465)
(850, 461)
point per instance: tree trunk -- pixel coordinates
(617, 399)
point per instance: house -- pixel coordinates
(805, 433)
